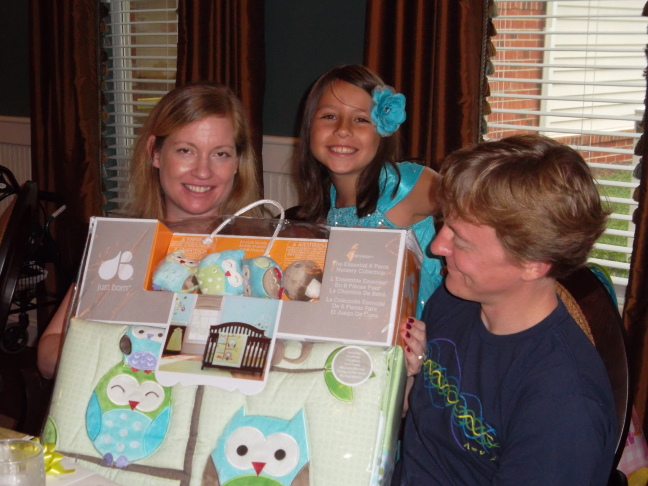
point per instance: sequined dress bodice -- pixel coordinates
(424, 229)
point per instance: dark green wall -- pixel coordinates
(14, 58)
(304, 38)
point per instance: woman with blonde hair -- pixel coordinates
(230, 184)
(192, 162)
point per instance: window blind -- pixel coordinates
(573, 70)
(140, 45)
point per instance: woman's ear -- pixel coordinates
(152, 153)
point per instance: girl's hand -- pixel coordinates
(414, 344)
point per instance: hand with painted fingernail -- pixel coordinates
(414, 344)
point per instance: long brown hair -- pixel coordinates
(178, 108)
(314, 181)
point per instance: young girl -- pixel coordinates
(349, 176)
(347, 165)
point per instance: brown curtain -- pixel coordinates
(433, 52)
(635, 313)
(223, 41)
(65, 116)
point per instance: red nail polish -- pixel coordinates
(407, 348)
(410, 320)
(407, 335)
(408, 326)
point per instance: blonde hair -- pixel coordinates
(538, 194)
(178, 108)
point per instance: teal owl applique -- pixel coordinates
(128, 415)
(256, 450)
(141, 346)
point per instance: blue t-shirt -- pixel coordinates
(424, 229)
(532, 408)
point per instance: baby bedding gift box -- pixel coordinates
(368, 285)
(298, 383)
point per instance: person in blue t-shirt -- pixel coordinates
(511, 390)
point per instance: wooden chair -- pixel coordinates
(594, 309)
(26, 248)
(15, 245)
(24, 393)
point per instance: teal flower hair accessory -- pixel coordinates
(388, 111)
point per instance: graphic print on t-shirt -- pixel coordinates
(442, 372)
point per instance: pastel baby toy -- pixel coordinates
(176, 273)
(303, 280)
(220, 273)
(262, 277)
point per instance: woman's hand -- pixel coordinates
(414, 343)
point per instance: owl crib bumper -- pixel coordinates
(328, 415)
(263, 354)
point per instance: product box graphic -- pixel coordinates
(370, 284)
(367, 281)
(115, 267)
(334, 409)
(170, 377)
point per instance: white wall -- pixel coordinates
(15, 153)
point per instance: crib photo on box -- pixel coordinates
(225, 341)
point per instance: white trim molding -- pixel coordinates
(278, 180)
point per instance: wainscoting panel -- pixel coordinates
(15, 153)
(278, 182)
(15, 149)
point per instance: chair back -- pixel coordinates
(8, 183)
(596, 307)
(15, 245)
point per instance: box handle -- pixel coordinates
(260, 202)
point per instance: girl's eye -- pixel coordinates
(362, 120)
(328, 116)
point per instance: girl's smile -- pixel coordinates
(343, 150)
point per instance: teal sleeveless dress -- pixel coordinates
(424, 229)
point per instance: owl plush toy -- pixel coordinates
(175, 273)
(140, 346)
(220, 273)
(258, 450)
(303, 280)
(262, 277)
(128, 415)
